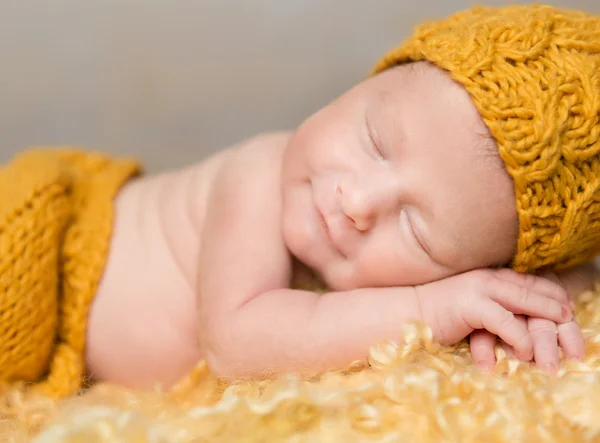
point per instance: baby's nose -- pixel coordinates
(359, 209)
(364, 202)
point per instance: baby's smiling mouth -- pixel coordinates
(324, 225)
(327, 230)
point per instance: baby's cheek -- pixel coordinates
(296, 231)
(387, 267)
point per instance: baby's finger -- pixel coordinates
(522, 300)
(545, 283)
(482, 348)
(545, 344)
(503, 323)
(571, 341)
(510, 352)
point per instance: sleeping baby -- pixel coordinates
(457, 185)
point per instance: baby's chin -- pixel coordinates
(336, 274)
(340, 276)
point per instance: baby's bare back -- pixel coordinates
(143, 326)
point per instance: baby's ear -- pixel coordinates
(548, 273)
(578, 279)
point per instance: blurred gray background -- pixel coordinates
(171, 81)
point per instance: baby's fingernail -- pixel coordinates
(485, 365)
(524, 357)
(567, 313)
(572, 303)
(550, 367)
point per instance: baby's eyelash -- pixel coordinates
(414, 234)
(373, 139)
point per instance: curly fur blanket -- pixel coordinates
(417, 391)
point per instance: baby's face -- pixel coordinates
(396, 183)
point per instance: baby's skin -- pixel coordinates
(393, 195)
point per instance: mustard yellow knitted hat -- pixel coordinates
(56, 214)
(533, 72)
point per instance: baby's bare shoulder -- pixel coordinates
(263, 149)
(251, 168)
(242, 252)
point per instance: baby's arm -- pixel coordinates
(250, 320)
(252, 324)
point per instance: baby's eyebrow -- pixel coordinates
(485, 146)
(388, 138)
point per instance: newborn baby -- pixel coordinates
(409, 197)
(373, 193)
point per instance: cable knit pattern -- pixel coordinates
(533, 73)
(56, 215)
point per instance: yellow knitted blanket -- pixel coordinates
(418, 391)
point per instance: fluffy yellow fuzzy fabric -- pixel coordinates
(417, 391)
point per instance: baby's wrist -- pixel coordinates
(425, 310)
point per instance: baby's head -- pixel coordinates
(474, 143)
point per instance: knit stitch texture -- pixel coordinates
(56, 215)
(533, 72)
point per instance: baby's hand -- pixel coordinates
(488, 299)
(546, 334)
